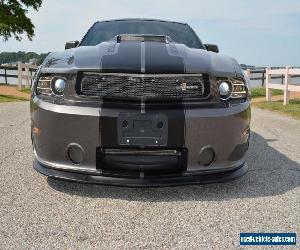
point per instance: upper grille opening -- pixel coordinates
(146, 87)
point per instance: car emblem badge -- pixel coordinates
(183, 86)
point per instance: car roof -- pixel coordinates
(140, 19)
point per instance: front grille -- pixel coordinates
(147, 87)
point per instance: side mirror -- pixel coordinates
(212, 47)
(72, 44)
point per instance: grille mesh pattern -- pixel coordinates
(142, 86)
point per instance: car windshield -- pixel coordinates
(106, 31)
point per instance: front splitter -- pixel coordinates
(142, 182)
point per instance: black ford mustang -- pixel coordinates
(140, 102)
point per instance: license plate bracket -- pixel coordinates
(142, 129)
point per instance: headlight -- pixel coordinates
(48, 85)
(44, 85)
(224, 89)
(232, 88)
(59, 85)
(239, 89)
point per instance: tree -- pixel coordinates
(9, 57)
(13, 19)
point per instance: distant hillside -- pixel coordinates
(10, 57)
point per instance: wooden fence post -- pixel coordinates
(5, 75)
(19, 75)
(27, 75)
(268, 91)
(248, 73)
(30, 71)
(286, 86)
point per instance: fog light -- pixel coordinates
(224, 89)
(75, 153)
(206, 156)
(59, 85)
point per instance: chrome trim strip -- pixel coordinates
(44, 80)
(43, 88)
(238, 92)
(65, 167)
(141, 152)
(67, 109)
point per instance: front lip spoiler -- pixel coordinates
(149, 182)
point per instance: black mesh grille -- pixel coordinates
(125, 86)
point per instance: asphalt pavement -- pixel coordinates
(37, 212)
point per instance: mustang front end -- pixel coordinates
(148, 112)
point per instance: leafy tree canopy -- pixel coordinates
(9, 57)
(13, 19)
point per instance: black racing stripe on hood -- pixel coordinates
(143, 57)
(158, 59)
(125, 58)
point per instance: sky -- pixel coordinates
(256, 32)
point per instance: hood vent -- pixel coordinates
(143, 38)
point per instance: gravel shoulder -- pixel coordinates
(42, 213)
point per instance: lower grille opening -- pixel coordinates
(138, 163)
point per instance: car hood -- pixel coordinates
(149, 57)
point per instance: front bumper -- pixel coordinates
(225, 130)
(187, 179)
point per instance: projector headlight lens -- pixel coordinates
(224, 89)
(59, 85)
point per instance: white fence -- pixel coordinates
(286, 87)
(24, 75)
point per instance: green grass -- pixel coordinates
(8, 85)
(10, 98)
(26, 90)
(259, 92)
(291, 109)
